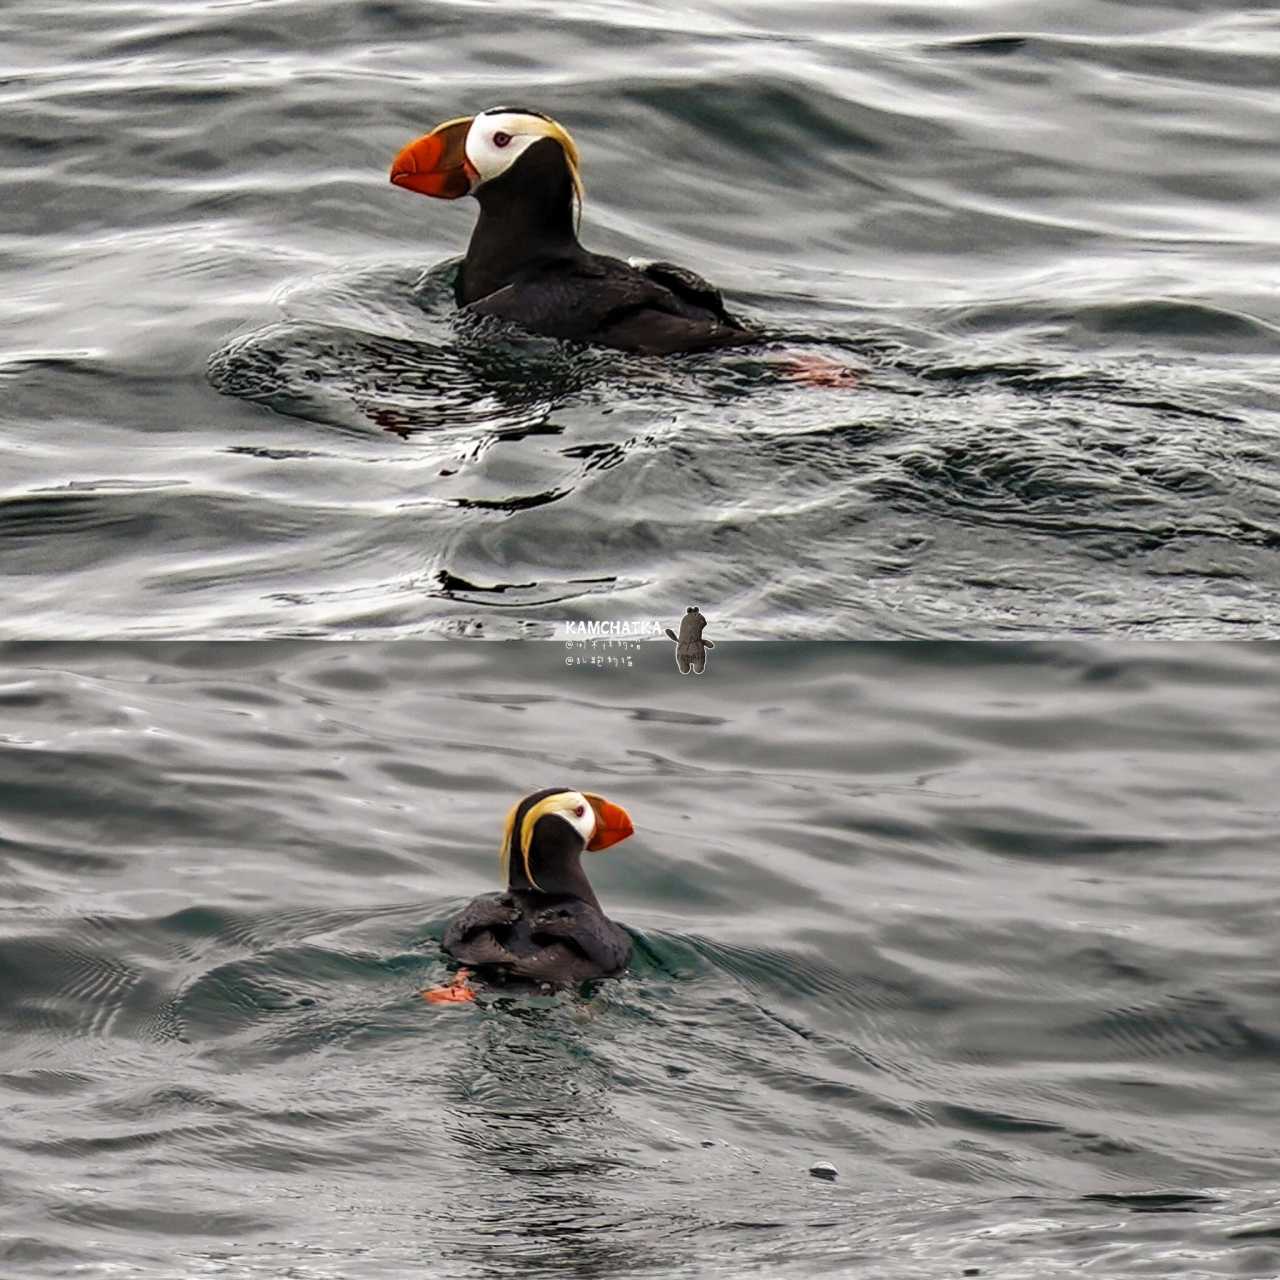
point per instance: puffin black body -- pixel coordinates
(525, 263)
(548, 926)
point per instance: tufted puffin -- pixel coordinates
(548, 926)
(524, 262)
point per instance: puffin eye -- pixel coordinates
(501, 139)
(579, 811)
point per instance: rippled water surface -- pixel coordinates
(990, 929)
(235, 401)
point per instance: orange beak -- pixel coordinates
(613, 823)
(436, 164)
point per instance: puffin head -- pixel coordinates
(458, 157)
(547, 832)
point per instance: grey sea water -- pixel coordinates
(234, 401)
(989, 928)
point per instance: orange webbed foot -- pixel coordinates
(819, 371)
(456, 991)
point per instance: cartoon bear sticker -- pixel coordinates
(691, 648)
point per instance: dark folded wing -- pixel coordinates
(689, 286)
(613, 304)
(476, 925)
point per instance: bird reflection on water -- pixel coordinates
(531, 1119)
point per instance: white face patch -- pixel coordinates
(496, 140)
(567, 807)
